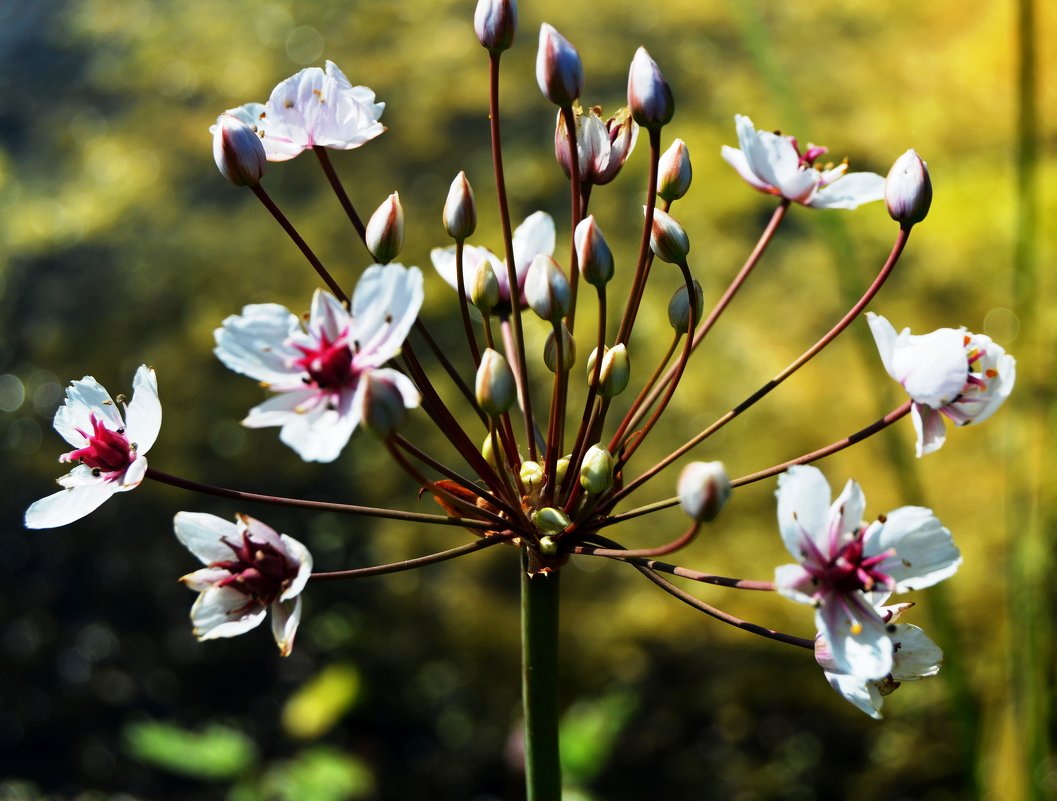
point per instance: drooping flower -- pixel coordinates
(316, 369)
(773, 164)
(914, 656)
(314, 108)
(949, 373)
(108, 448)
(847, 567)
(602, 146)
(533, 237)
(249, 569)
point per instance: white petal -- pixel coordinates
(254, 344)
(385, 304)
(925, 552)
(205, 578)
(795, 583)
(83, 399)
(775, 160)
(300, 555)
(736, 159)
(68, 505)
(143, 415)
(215, 614)
(916, 655)
(932, 368)
(133, 476)
(286, 615)
(848, 509)
(404, 385)
(863, 694)
(328, 317)
(202, 535)
(930, 427)
(321, 434)
(884, 336)
(856, 634)
(281, 409)
(533, 237)
(260, 533)
(849, 192)
(803, 509)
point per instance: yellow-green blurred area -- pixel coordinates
(121, 244)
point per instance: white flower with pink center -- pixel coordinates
(316, 369)
(108, 448)
(773, 164)
(847, 567)
(250, 568)
(950, 373)
(314, 108)
(533, 237)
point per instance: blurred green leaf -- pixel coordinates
(314, 709)
(589, 730)
(216, 752)
(319, 774)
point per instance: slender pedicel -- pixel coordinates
(420, 561)
(339, 190)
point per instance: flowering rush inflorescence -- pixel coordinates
(548, 473)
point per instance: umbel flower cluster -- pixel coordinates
(546, 445)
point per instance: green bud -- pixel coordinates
(495, 385)
(592, 252)
(460, 210)
(674, 172)
(547, 289)
(548, 546)
(668, 240)
(385, 230)
(484, 288)
(596, 472)
(550, 350)
(550, 520)
(561, 467)
(531, 476)
(615, 371)
(679, 308)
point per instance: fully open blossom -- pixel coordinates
(950, 373)
(108, 448)
(249, 568)
(602, 146)
(316, 369)
(774, 164)
(314, 108)
(847, 567)
(533, 237)
(914, 656)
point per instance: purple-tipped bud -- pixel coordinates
(383, 407)
(668, 240)
(674, 172)
(484, 288)
(596, 472)
(495, 23)
(559, 71)
(460, 210)
(594, 255)
(385, 230)
(238, 151)
(547, 289)
(679, 308)
(908, 189)
(550, 350)
(703, 490)
(495, 386)
(649, 96)
(615, 372)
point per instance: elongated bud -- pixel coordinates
(531, 476)
(649, 96)
(674, 172)
(547, 289)
(561, 467)
(596, 472)
(679, 308)
(668, 240)
(488, 452)
(908, 189)
(615, 372)
(484, 288)
(559, 71)
(593, 253)
(495, 383)
(238, 151)
(460, 210)
(550, 350)
(551, 520)
(382, 405)
(495, 23)
(703, 489)
(385, 230)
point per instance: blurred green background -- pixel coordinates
(120, 244)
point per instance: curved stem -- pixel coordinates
(636, 558)
(449, 368)
(539, 688)
(411, 564)
(464, 308)
(339, 190)
(580, 443)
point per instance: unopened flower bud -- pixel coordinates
(649, 96)
(460, 210)
(679, 308)
(238, 151)
(703, 489)
(551, 520)
(547, 289)
(674, 172)
(668, 240)
(382, 405)
(531, 476)
(495, 23)
(484, 288)
(908, 189)
(495, 386)
(385, 230)
(488, 451)
(602, 146)
(548, 545)
(561, 467)
(596, 472)
(593, 253)
(614, 373)
(550, 350)
(559, 71)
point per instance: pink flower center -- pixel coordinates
(259, 571)
(849, 570)
(330, 365)
(808, 159)
(107, 451)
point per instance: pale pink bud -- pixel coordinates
(547, 289)
(559, 71)
(460, 210)
(382, 405)
(385, 230)
(494, 386)
(908, 189)
(674, 172)
(593, 253)
(668, 239)
(495, 23)
(649, 96)
(550, 350)
(703, 489)
(602, 146)
(238, 151)
(679, 308)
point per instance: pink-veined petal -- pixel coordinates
(85, 398)
(736, 159)
(254, 344)
(203, 534)
(216, 613)
(300, 555)
(385, 304)
(204, 578)
(133, 476)
(930, 427)
(404, 385)
(259, 532)
(847, 512)
(803, 509)
(286, 615)
(856, 635)
(795, 583)
(328, 317)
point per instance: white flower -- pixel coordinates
(914, 656)
(108, 451)
(316, 369)
(314, 108)
(249, 568)
(847, 568)
(949, 373)
(773, 164)
(533, 237)
(602, 146)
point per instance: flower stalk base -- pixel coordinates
(539, 683)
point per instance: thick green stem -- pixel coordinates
(539, 683)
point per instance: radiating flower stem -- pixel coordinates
(576, 212)
(464, 308)
(411, 564)
(319, 506)
(339, 190)
(539, 675)
(641, 405)
(449, 368)
(557, 414)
